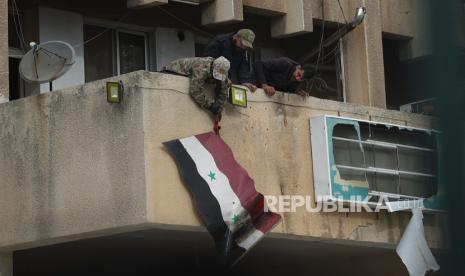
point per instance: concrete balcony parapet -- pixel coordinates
(73, 166)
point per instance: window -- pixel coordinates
(14, 79)
(111, 52)
(98, 53)
(14, 20)
(131, 52)
(325, 64)
(361, 158)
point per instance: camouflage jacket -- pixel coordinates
(199, 71)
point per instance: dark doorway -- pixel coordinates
(15, 79)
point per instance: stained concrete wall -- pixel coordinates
(271, 140)
(70, 163)
(4, 76)
(398, 17)
(363, 63)
(332, 11)
(421, 44)
(266, 7)
(297, 20)
(74, 166)
(222, 12)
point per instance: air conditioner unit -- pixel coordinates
(357, 160)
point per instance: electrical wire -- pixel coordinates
(166, 89)
(330, 55)
(185, 22)
(127, 14)
(252, 101)
(19, 21)
(180, 92)
(18, 27)
(342, 11)
(20, 32)
(320, 50)
(339, 78)
(102, 32)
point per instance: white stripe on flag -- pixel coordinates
(229, 202)
(250, 239)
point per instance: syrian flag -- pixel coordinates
(225, 195)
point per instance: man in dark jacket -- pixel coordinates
(233, 46)
(282, 74)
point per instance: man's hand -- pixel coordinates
(219, 116)
(215, 108)
(302, 93)
(228, 83)
(252, 87)
(269, 90)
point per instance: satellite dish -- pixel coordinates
(46, 62)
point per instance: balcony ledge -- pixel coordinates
(73, 166)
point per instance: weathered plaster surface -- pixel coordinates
(398, 17)
(298, 20)
(74, 166)
(332, 11)
(363, 59)
(70, 163)
(266, 7)
(4, 94)
(271, 140)
(222, 11)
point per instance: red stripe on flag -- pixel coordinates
(241, 183)
(266, 221)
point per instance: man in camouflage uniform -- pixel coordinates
(202, 70)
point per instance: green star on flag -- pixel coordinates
(235, 218)
(228, 201)
(212, 176)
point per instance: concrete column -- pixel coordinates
(298, 20)
(363, 58)
(420, 45)
(222, 11)
(140, 4)
(4, 76)
(6, 264)
(332, 11)
(398, 17)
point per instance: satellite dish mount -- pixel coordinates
(47, 62)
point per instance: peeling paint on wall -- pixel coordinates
(348, 182)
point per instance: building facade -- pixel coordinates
(87, 184)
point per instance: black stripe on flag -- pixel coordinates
(206, 203)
